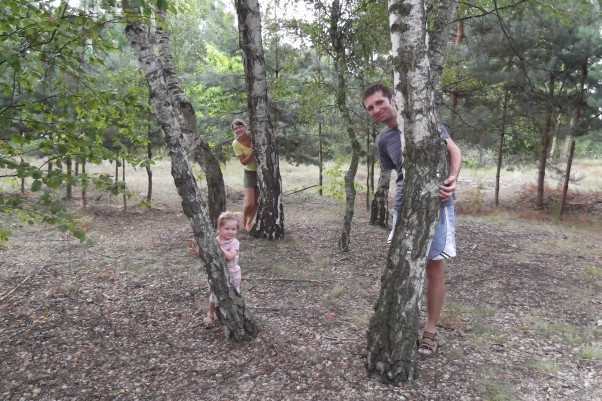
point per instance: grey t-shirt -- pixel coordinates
(388, 144)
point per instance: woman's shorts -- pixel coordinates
(250, 179)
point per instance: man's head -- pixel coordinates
(379, 102)
(373, 88)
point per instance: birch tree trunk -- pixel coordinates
(236, 320)
(439, 35)
(545, 146)
(574, 124)
(216, 190)
(500, 149)
(269, 222)
(393, 329)
(379, 213)
(340, 65)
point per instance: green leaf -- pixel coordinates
(56, 209)
(162, 5)
(36, 185)
(80, 235)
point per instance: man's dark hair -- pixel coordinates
(373, 88)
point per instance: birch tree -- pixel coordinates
(216, 193)
(393, 332)
(269, 222)
(379, 212)
(338, 42)
(237, 321)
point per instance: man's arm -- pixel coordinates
(448, 187)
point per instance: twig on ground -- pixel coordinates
(289, 279)
(299, 190)
(272, 308)
(340, 339)
(17, 287)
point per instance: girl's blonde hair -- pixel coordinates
(228, 216)
(239, 122)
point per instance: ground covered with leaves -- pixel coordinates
(121, 319)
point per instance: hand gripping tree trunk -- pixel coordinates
(216, 191)
(237, 321)
(269, 222)
(393, 328)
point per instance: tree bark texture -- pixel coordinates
(379, 212)
(439, 35)
(500, 150)
(545, 146)
(236, 320)
(337, 36)
(149, 171)
(216, 190)
(574, 124)
(567, 179)
(393, 329)
(269, 221)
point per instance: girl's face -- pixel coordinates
(239, 130)
(228, 230)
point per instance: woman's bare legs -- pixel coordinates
(249, 208)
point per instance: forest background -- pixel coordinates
(521, 87)
(521, 83)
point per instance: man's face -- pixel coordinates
(380, 108)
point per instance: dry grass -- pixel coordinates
(475, 188)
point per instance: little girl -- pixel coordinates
(227, 227)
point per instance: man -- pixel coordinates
(378, 100)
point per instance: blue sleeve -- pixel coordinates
(443, 131)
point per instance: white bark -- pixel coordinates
(270, 211)
(394, 325)
(216, 193)
(237, 321)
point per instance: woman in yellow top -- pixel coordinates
(243, 149)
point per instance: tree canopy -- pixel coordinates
(71, 91)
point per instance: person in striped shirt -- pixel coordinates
(379, 102)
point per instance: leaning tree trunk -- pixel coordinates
(149, 171)
(269, 221)
(453, 96)
(340, 64)
(393, 327)
(216, 190)
(440, 18)
(500, 150)
(237, 321)
(574, 124)
(379, 213)
(545, 146)
(84, 184)
(69, 189)
(567, 179)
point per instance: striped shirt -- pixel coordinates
(388, 144)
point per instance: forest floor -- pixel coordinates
(121, 319)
